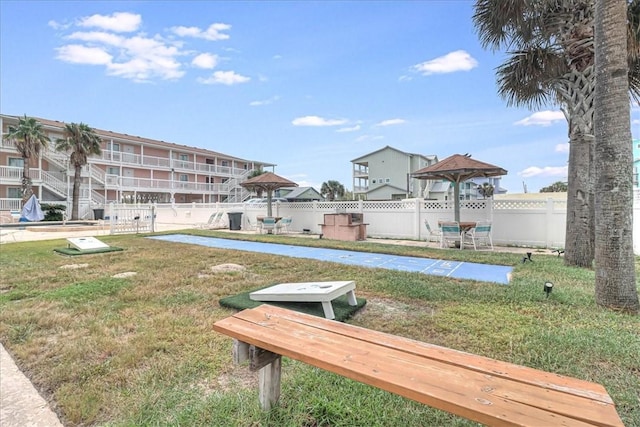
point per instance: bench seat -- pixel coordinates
(475, 387)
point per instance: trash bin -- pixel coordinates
(98, 214)
(235, 220)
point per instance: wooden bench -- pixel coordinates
(478, 388)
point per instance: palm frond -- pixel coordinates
(528, 77)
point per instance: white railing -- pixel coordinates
(125, 183)
(10, 173)
(163, 162)
(54, 183)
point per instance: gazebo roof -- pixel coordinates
(459, 168)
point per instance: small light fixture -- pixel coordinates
(548, 287)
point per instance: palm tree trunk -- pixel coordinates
(76, 192)
(615, 283)
(26, 183)
(578, 93)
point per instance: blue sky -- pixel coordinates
(308, 86)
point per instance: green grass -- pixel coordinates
(140, 350)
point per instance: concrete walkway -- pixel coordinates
(20, 403)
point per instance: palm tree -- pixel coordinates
(615, 270)
(29, 139)
(551, 62)
(82, 141)
(486, 190)
(332, 190)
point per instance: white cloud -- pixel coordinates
(562, 148)
(57, 25)
(635, 122)
(542, 118)
(213, 33)
(264, 102)
(120, 22)
(390, 122)
(78, 54)
(351, 129)
(458, 60)
(205, 60)
(547, 171)
(98, 37)
(224, 78)
(317, 121)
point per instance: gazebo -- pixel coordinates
(268, 182)
(456, 169)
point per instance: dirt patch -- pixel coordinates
(387, 309)
(238, 377)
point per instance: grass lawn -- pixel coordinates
(139, 350)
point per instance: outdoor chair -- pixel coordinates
(268, 224)
(282, 226)
(450, 232)
(432, 233)
(480, 234)
(253, 226)
(216, 220)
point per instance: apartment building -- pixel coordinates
(385, 174)
(131, 169)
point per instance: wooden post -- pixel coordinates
(269, 379)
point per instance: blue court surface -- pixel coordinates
(456, 269)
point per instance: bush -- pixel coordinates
(53, 212)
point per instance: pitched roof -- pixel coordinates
(458, 168)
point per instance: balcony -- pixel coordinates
(116, 182)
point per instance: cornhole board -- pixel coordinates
(322, 292)
(86, 243)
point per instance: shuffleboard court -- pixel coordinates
(455, 269)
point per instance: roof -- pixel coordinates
(295, 192)
(388, 147)
(459, 168)
(107, 134)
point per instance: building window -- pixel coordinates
(387, 180)
(183, 157)
(373, 181)
(16, 162)
(14, 193)
(224, 163)
(113, 171)
(115, 146)
(184, 177)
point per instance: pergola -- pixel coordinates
(456, 169)
(268, 182)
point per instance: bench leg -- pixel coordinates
(351, 297)
(269, 379)
(328, 310)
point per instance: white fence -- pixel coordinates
(532, 223)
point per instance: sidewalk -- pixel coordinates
(20, 403)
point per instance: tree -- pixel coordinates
(614, 259)
(486, 190)
(81, 141)
(29, 139)
(253, 174)
(332, 190)
(551, 56)
(556, 187)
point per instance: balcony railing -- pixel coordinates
(141, 184)
(120, 157)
